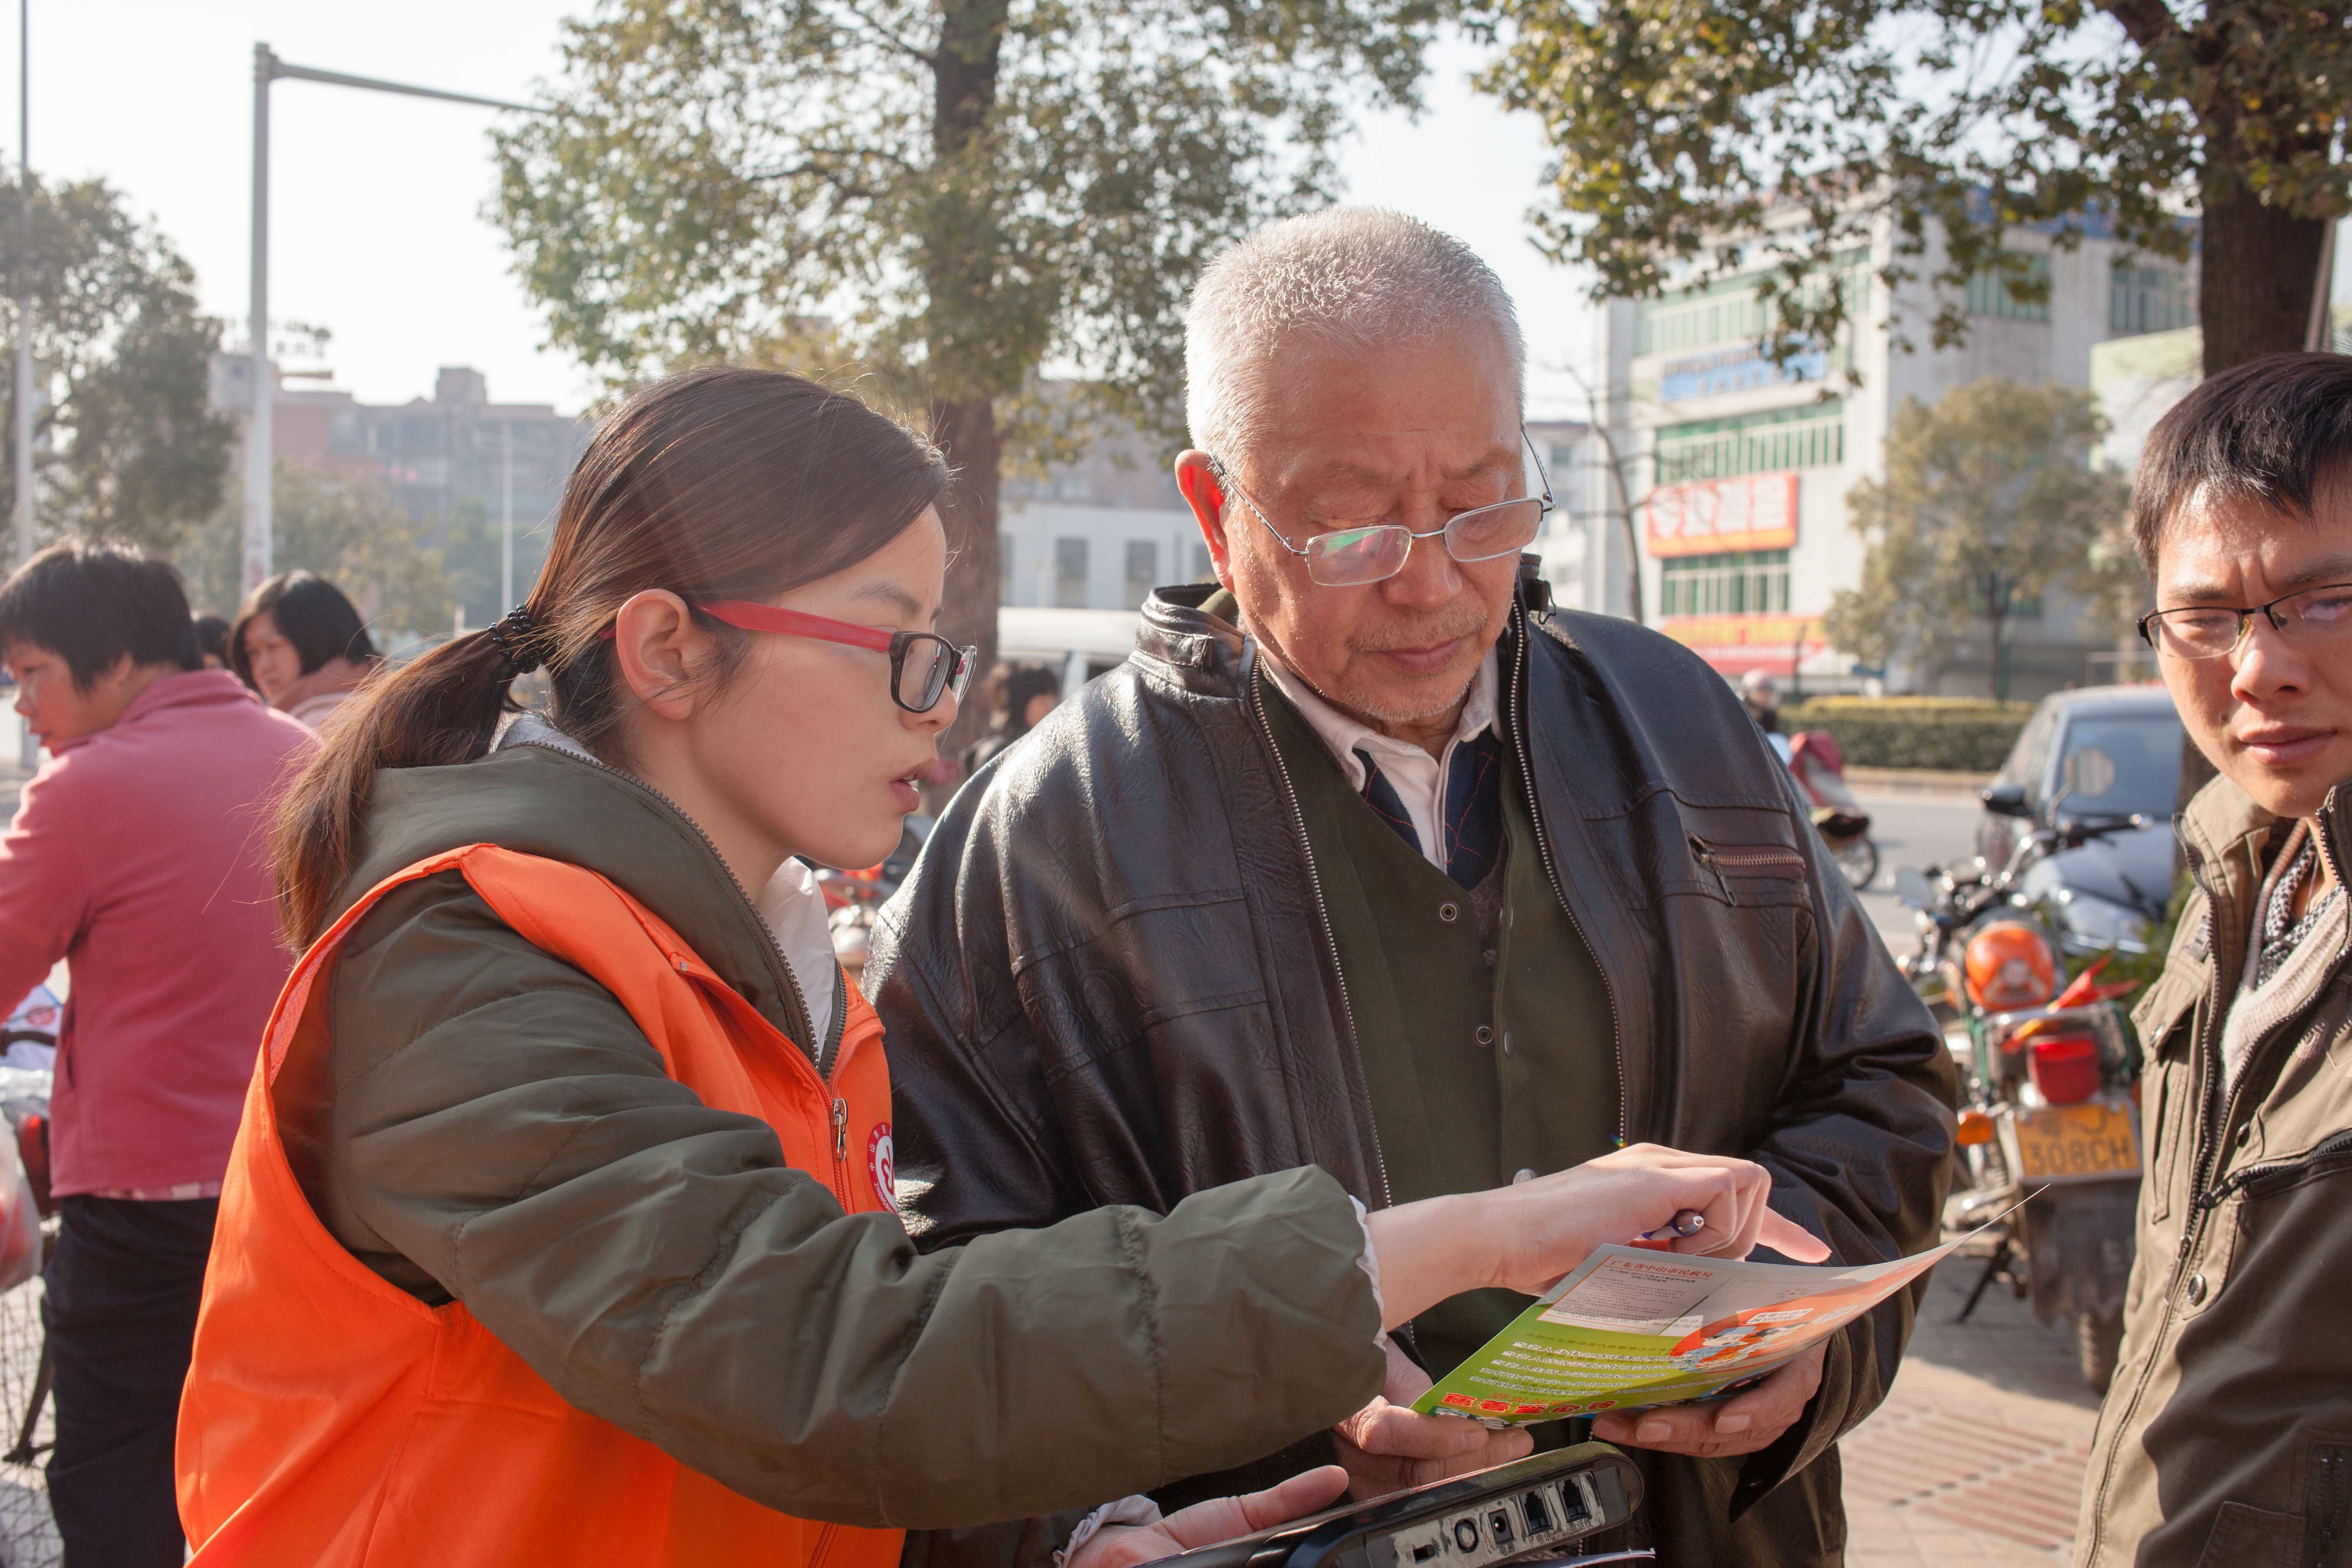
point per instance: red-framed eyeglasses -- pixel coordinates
(924, 666)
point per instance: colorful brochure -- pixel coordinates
(1633, 1328)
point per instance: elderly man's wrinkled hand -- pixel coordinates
(1385, 1446)
(1745, 1424)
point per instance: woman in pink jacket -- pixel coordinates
(138, 856)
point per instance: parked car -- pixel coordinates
(2108, 892)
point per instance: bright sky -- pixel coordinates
(377, 230)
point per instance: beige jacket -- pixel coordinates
(2226, 1439)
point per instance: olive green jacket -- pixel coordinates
(488, 1124)
(2226, 1439)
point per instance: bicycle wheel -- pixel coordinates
(28, 1533)
(1858, 858)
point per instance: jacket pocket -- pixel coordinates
(2167, 1005)
(1655, 849)
(2246, 1537)
(2168, 1118)
(2326, 1158)
(1753, 874)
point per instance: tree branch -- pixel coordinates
(888, 40)
(2146, 22)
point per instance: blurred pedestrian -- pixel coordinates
(139, 856)
(302, 644)
(1761, 695)
(211, 641)
(1020, 696)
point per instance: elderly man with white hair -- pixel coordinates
(1369, 860)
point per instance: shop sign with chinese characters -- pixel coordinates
(1705, 517)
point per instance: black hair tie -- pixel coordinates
(515, 637)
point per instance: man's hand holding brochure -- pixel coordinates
(1632, 1327)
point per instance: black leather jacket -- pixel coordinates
(1109, 979)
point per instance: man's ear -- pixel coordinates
(1206, 497)
(660, 650)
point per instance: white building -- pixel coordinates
(1099, 534)
(1739, 469)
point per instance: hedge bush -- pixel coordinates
(1964, 734)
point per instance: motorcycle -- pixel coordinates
(2052, 1114)
(1812, 757)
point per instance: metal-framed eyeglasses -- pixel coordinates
(1373, 552)
(2209, 631)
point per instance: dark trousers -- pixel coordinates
(120, 1310)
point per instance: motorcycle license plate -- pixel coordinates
(2094, 1141)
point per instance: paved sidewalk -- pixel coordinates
(1977, 1457)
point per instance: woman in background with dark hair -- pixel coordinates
(302, 644)
(1020, 696)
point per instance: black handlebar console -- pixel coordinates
(1539, 1504)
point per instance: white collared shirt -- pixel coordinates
(1418, 778)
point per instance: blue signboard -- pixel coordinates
(1742, 369)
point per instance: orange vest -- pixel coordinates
(333, 1419)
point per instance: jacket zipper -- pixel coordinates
(841, 1151)
(2219, 1110)
(1526, 627)
(800, 1016)
(1322, 911)
(2254, 1175)
(2198, 1152)
(1765, 856)
(838, 1029)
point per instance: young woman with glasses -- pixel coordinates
(561, 1225)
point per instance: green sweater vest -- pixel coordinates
(1479, 1063)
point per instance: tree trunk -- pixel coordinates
(966, 431)
(1997, 676)
(1634, 562)
(2257, 267)
(959, 273)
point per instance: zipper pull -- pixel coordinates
(840, 1131)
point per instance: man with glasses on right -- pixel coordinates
(2227, 1434)
(1367, 859)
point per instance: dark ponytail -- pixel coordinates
(717, 484)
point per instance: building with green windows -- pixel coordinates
(1734, 468)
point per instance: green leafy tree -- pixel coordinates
(1988, 500)
(940, 194)
(1725, 133)
(467, 538)
(345, 529)
(126, 443)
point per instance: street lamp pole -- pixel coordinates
(24, 281)
(260, 546)
(28, 751)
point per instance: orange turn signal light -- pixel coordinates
(1976, 1128)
